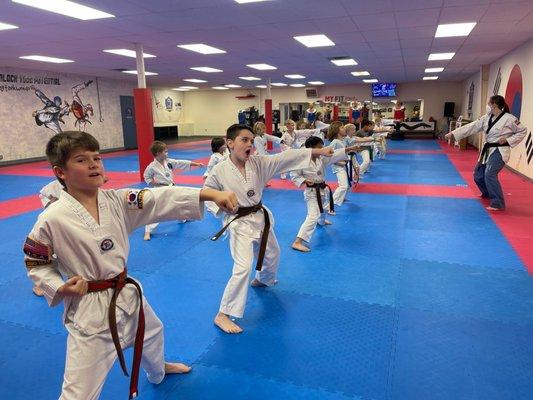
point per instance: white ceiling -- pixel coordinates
(389, 38)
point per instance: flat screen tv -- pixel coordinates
(383, 90)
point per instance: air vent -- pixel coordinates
(311, 93)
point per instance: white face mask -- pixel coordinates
(488, 109)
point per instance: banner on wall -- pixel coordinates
(166, 107)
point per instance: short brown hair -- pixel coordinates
(61, 146)
(157, 147)
(334, 129)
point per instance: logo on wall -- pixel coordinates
(53, 111)
(529, 148)
(497, 82)
(470, 99)
(513, 92)
(169, 104)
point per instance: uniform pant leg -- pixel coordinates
(234, 298)
(153, 358)
(365, 154)
(309, 225)
(269, 271)
(342, 189)
(479, 178)
(493, 168)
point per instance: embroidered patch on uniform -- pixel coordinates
(35, 249)
(140, 199)
(170, 165)
(135, 199)
(107, 244)
(319, 172)
(37, 263)
(250, 193)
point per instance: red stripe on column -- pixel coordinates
(144, 125)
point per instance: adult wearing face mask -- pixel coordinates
(503, 131)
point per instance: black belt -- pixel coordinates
(117, 283)
(349, 169)
(486, 147)
(243, 212)
(318, 186)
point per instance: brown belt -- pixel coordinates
(117, 283)
(317, 187)
(242, 212)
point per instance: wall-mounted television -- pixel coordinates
(384, 90)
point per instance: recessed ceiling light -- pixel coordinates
(47, 59)
(201, 48)
(343, 62)
(316, 83)
(220, 88)
(430, 78)
(127, 53)
(278, 84)
(261, 86)
(453, 30)
(360, 73)
(195, 80)
(297, 85)
(206, 69)
(314, 40)
(181, 89)
(66, 7)
(188, 87)
(370, 80)
(295, 76)
(430, 70)
(233, 86)
(440, 56)
(261, 67)
(4, 26)
(249, 1)
(249, 78)
(134, 72)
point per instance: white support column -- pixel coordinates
(141, 77)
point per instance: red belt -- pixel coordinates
(117, 283)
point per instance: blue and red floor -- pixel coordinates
(415, 291)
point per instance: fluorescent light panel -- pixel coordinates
(370, 80)
(454, 30)
(261, 67)
(127, 53)
(440, 56)
(316, 83)
(4, 26)
(188, 87)
(261, 86)
(295, 76)
(134, 72)
(343, 62)
(220, 88)
(430, 78)
(314, 40)
(66, 7)
(278, 84)
(47, 59)
(201, 48)
(249, 78)
(360, 73)
(297, 85)
(206, 69)
(432, 70)
(195, 80)
(249, 1)
(181, 89)
(232, 86)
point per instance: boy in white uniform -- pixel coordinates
(261, 139)
(315, 190)
(160, 173)
(219, 148)
(83, 238)
(252, 232)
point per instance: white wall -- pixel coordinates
(22, 138)
(210, 112)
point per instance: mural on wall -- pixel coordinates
(470, 99)
(81, 111)
(513, 92)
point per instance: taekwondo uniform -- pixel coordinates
(339, 169)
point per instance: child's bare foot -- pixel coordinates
(37, 291)
(300, 247)
(332, 212)
(226, 324)
(257, 283)
(176, 368)
(327, 222)
(147, 236)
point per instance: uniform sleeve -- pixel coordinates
(286, 161)
(179, 164)
(469, 129)
(166, 203)
(212, 162)
(519, 132)
(338, 155)
(213, 183)
(297, 177)
(41, 263)
(149, 175)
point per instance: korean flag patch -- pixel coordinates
(134, 198)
